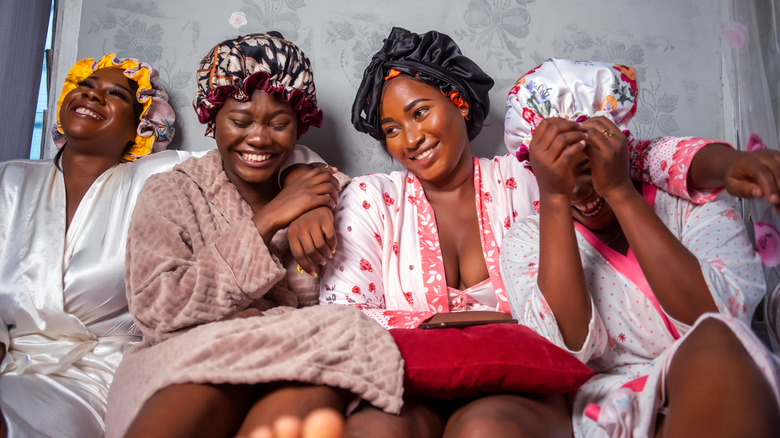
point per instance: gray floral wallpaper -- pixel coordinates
(673, 44)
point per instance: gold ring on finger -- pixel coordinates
(607, 133)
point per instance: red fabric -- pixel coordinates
(451, 363)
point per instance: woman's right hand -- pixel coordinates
(554, 149)
(316, 188)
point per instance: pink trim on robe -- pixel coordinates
(628, 264)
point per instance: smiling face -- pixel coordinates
(425, 131)
(100, 116)
(255, 138)
(587, 206)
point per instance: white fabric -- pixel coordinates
(628, 338)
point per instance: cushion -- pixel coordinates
(451, 363)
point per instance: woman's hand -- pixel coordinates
(315, 188)
(554, 149)
(608, 152)
(755, 175)
(312, 238)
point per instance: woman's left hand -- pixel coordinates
(607, 149)
(312, 239)
(755, 175)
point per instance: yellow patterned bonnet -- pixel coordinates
(155, 130)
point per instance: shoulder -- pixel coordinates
(164, 161)
(18, 168)
(378, 183)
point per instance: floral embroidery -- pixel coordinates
(511, 184)
(365, 265)
(507, 223)
(371, 287)
(536, 206)
(395, 248)
(388, 199)
(355, 290)
(412, 199)
(409, 298)
(362, 186)
(366, 205)
(378, 238)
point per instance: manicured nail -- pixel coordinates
(300, 270)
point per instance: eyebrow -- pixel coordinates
(408, 107)
(95, 78)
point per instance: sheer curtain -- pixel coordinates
(751, 61)
(23, 26)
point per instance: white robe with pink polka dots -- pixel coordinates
(631, 340)
(388, 260)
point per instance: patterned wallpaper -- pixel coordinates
(673, 44)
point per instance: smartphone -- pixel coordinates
(430, 324)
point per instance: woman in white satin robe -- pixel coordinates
(64, 323)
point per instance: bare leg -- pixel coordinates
(418, 419)
(512, 415)
(285, 400)
(715, 389)
(191, 410)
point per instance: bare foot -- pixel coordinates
(320, 423)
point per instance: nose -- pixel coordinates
(256, 136)
(414, 136)
(95, 95)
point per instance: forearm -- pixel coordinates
(672, 271)
(709, 165)
(561, 278)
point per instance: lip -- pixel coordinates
(590, 208)
(424, 155)
(256, 159)
(87, 112)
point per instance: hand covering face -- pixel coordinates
(574, 90)
(436, 58)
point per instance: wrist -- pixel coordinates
(265, 225)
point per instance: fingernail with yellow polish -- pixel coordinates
(300, 270)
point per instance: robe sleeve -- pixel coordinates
(715, 233)
(174, 281)
(666, 161)
(354, 276)
(519, 269)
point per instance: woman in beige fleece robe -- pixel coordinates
(211, 281)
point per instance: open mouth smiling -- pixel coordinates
(591, 208)
(255, 158)
(84, 111)
(425, 154)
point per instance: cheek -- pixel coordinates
(394, 147)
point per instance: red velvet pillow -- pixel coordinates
(451, 363)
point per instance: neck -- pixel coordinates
(256, 195)
(460, 181)
(82, 168)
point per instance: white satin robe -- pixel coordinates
(63, 312)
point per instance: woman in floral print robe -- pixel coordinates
(628, 292)
(426, 240)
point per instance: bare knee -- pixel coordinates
(418, 419)
(512, 415)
